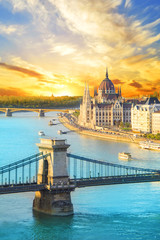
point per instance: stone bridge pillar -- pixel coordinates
(8, 113)
(55, 199)
(41, 113)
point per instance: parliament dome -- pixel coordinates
(107, 85)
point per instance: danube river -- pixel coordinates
(115, 212)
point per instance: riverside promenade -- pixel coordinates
(110, 136)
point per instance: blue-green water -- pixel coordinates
(118, 212)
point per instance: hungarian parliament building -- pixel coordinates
(106, 108)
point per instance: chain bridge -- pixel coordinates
(53, 174)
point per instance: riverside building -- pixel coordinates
(106, 108)
(156, 122)
(143, 116)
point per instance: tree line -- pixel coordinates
(152, 136)
(39, 102)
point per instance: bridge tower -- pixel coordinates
(55, 199)
(41, 113)
(8, 113)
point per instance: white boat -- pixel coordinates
(150, 145)
(124, 156)
(41, 133)
(60, 132)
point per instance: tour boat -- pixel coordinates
(41, 133)
(124, 156)
(150, 145)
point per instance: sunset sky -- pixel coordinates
(55, 46)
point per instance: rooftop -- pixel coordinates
(157, 111)
(151, 101)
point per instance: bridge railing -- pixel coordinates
(21, 172)
(86, 168)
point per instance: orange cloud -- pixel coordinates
(26, 71)
(135, 84)
(85, 37)
(117, 81)
(12, 92)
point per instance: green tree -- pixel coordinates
(127, 125)
(121, 124)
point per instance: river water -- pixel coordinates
(116, 212)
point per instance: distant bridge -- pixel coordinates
(41, 112)
(53, 174)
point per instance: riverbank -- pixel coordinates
(106, 136)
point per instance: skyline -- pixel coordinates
(55, 46)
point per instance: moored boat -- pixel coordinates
(150, 145)
(124, 156)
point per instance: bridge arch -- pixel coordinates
(8, 111)
(41, 112)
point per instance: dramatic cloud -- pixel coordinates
(28, 72)
(61, 44)
(145, 90)
(135, 84)
(100, 20)
(117, 81)
(12, 91)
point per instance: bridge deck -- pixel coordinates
(33, 187)
(6, 189)
(115, 180)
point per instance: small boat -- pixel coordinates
(41, 133)
(124, 156)
(60, 132)
(150, 145)
(50, 123)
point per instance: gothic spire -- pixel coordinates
(84, 95)
(106, 72)
(88, 93)
(88, 98)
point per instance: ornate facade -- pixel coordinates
(143, 118)
(107, 108)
